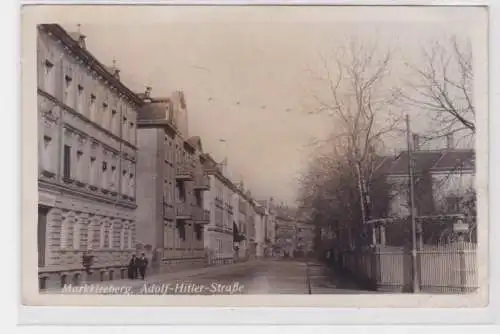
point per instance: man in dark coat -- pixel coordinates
(142, 264)
(132, 267)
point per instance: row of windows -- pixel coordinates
(79, 90)
(84, 165)
(76, 235)
(176, 236)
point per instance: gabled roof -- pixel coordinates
(423, 162)
(456, 160)
(437, 161)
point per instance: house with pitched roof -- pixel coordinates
(443, 181)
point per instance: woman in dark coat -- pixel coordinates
(132, 267)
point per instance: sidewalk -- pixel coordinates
(164, 276)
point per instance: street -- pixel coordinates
(252, 277)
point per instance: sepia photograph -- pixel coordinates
(211, 151)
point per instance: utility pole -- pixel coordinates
(415, 273)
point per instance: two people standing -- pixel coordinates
(137, 266)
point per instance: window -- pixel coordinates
(122, 237)
(80, 167)
(42, 235)
(129, 242)
(124, 182)
(76, 235)
(104, 119)
(113, 178)
(132, 133)
(124, 129)
(47, 160)
(453, 204)
(102, 235)
(131, 186)
(181, 230)
(104, 179)
(113, 121)
(93, 108)
(80, 96)
(110, 237)
(68, 88)
(93, 177)
(198, 230)
(64, 233)
(49, 77)
(90, 236)
(67, 161)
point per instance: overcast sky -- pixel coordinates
(245, 71)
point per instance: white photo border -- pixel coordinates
(291, 315)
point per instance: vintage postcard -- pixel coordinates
(255, 156)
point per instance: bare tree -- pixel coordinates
(360, 99)
(443, 85)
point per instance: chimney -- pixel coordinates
(450, 144)
(80, 38)
(115, 71)
(81, 41)
(416, 142)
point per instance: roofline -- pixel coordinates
(57, 31)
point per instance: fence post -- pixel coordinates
(375, 268)
(462, 269)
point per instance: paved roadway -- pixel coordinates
(254, 277)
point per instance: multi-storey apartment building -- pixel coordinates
(260, 229)
(171, 184)
(242, 231)
(269, 225)
(86, 160)
(286, 235)
(219, 233)
(250, 237)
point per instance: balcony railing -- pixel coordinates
(202, 183)
(183, 211)
(184, 172)
(201, 216)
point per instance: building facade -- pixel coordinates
(444, 185)
(269, 226)
(220, 202)
(286, 234)
(244, 230)
(260, 230)
(87, 159)
(171, 185)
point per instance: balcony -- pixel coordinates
(183, 172)
(182, 211)
(201, 216)
(169, 212)
(202, 183)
